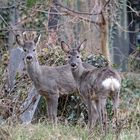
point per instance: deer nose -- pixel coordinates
(29, 57)
(73, 64)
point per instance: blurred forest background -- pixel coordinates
(112, 28)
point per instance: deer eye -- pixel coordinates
(33, 50)
(78, 56)
(69, 56)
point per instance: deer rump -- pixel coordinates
(103, 80)
(107, 82)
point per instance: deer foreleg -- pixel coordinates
(52, 103)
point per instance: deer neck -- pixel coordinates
(77, 73)
(34, 70)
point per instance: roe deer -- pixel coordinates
(50, 82)
(94, 86)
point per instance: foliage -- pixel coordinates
(97, 60)
(52, 56)
(130, 100)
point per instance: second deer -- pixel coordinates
(95, 85)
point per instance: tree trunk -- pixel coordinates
(104, 40)
(104, 32)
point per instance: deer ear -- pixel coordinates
(19, 41)
(37, 39)
(65, 47)
(82, 46)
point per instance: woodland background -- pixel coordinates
(112, 28)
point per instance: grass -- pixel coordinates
(43, 131)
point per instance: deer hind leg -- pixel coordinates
(115, 106)
(89, 114)
(52, 103)
(99, 108)
(104, 113)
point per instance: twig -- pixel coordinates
(125, 30)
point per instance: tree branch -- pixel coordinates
(76, 12)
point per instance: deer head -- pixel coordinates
(74, 57)
(29, 46)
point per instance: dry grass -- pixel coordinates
(44, 131)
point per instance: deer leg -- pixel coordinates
(54, 109)
(52, 103)
(104, 113)
(95, 114)
(89, 114)
(99, 108)
(49, 110)
(115, 106)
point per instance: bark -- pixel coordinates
(104, 39)
(104, 32)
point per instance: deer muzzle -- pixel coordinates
(29, 58)
(73, 66)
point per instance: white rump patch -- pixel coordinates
(111, 83)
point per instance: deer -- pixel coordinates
(94, 85)
(49, 81)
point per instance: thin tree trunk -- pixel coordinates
(104, 38)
